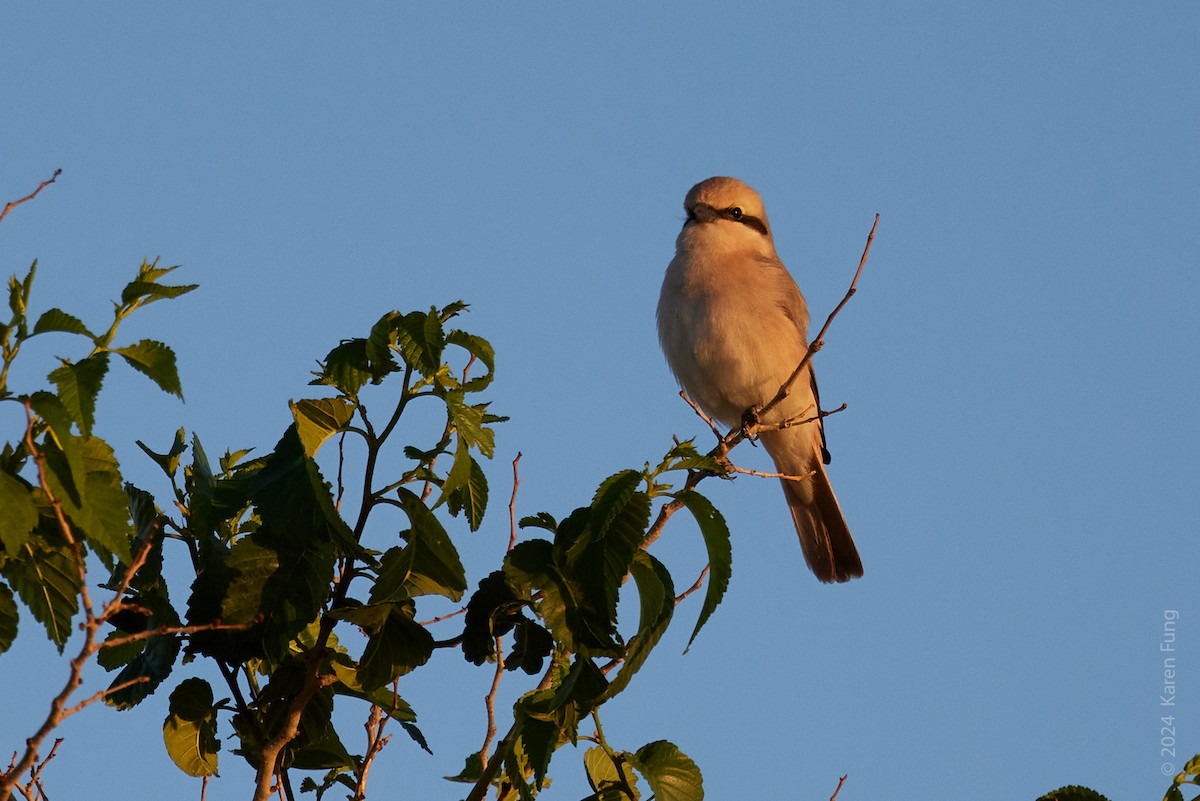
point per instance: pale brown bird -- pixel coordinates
(734, 326)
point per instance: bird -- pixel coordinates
(733, 326)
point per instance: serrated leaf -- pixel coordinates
(471, 771)
(715, 531)
(46, 579)
(469, 423)
(346, 367)
(156, 361)
(86, 480)
(656, 593)
(1073, 793)
(318, 420)
(152, 666)
(59, 320)
(17, 511)
(428, 564)
(420, 338)
(48, 407)
(379, 342)
(190, 728)
(147, 286)
(8, 618)
(543, 520)
(483, 352)
(465, 489)
(78, 385)
(671, 774)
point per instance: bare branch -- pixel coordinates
(700, 413)
(14, 203)
(512, 505)
(694, 587)
(837, 790)
(490, 703)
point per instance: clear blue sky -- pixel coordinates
(1018, 460)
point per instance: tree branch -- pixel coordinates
(14, 203)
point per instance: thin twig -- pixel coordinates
(700, 413)
(14, 203)
(841, 781)
(694, 587)
(819, 341)
(512, 504)
(490, 703)
(748, 472)
(440, 618)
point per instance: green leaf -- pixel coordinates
(146, 285)
(59, 320)
(471, 771)
(169, 461)
(400, 646)
(151, 667)
(543, 520)
(318, 420)
(8, 618)
(421, 340)
(469, 422)
(465, 488)
(155, 360)
(190, 729)
(17, 510)
(78, 385)
(482, 350)
(656, 592)
(379, 346)
(346, 367)
(46, 579)
(429, 561)
(48, 407)
(1073, 793)
(720, 553)
(672, 776)
(86, 479)
(606, 773)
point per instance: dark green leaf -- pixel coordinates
(318, 420)
(59, 320)
(8, 618)
(48, 407)
(346, 367)
(169, 461)
(471, 771)
(150, 668)
(427, 565)
(656, 592)
(399, 647)
(379, 342)
(720, 553)
(672, 776)
(1074, 793)
(541, 520)
(17, 511)
(47, 580)
(155, 360)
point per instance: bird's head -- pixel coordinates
(725, 212)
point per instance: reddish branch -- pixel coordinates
(14, 203)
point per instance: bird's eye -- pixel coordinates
(736, 212)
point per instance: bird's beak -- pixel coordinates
(702, 212)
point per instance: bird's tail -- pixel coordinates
(824, 537)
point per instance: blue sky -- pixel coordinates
(1017, 461)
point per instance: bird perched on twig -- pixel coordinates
(734, 327)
